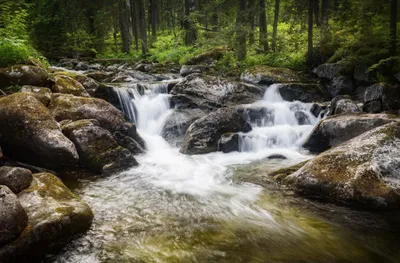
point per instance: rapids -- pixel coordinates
(178, 208)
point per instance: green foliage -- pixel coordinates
(13, 51)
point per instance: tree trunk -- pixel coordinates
(142, 25)
(240, 31)
(153, 14)
(125, 24)
(310, 32)
(324, 12)
(275, 28)
(190, 36)
(251, 12)
(135, 24)
(263, 26)
(316, 12)
(393, 27)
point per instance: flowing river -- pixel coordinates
(179, 208)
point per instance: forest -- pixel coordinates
(199, 131)
(290, 33)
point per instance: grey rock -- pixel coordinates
(15, 178)
(302, 118)
(229, 142)
(372, 107)
(268, 75)
(41, 94)
(23, 75)
(190, 69)
(346, 106)
(304, 92)
(342, 85)
(329, 70)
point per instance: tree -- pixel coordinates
(324, 12)
(142, 24)
(241, 31)
(393, 27)
(310, 51)
(263, 26)
(125, 22)
(275, 27)
(190, 29)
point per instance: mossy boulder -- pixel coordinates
(304, 92)
(19, 75)
(203, 135)
(89, 84)
(68, 107)
(67, 85)
(98, 151)
(338, 129)
(15, 178)
(44, 95)
(13, 218)
(55, 215)
(269, 75)
(29, 133)
(214, 54)
(210, 93)
(363, 172)
(346, 106)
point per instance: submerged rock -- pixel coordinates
(304, 92)
(337, 129)
(302, 118)
(23, 75)
(362, 172)
(29, 133)
(55, 215)
(41, 94)
(13, 218)
(203, 135)
(67, 107)
(15, 178)
(178, 122)
(209, 93)
(267, 75)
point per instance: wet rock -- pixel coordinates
(210, 93)
(127, 142)
(29, 133)
(363, 172)
(346, 106)
(190, 69)
(129, 129)
(203, 135)
(304, 92)
(277, 156)
(41, 94)
(267, 75)
(342, 85)
(330, 70)
(82, 65)
(67, 107)
(89, 84)
(15, 178)
(55, 215)
(100, 76)
(317, 109)
(302, 118)
(13, 218)
(67, 85)
(98, 151)
(23, 75)
(229, 142)
(178, 122)
(372, 107)
(338, 129)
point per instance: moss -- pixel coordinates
(51, 185)
(280, 174)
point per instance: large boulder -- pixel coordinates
(268, 75)
(186, 70)
(337, 129)
(15, 178)
(346, 106)
(89, 84)
(203, 135)
(67, 85)
(67, 107)
(98, 151)
(178, 122)
(20, 75)
(383, 97)
(342, 85)
(55, 215)
(29, 133)
(13, 218)
(41, 94)
(304, 92)
(210, 93)
(363, 171)
(229, 142)
(329, 71)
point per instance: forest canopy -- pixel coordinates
(289, 33)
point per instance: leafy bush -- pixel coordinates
(13, 51)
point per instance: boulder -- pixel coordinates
(99, 75)
(98, 151)
(41, 94)
(361, 74)
(15, 178)
(387, 95)
(342, 85)
(13, 218)
(210, 93)
(329, 71)
(346, 106)
(19, 75)
(304, 92)
(108, 93)
(372, 107)
(67, 85)
(129, 143)
(89, 84)
(178, 122)
(335, 100)
(29, 133)
(129, 129)
(82, 65)
(338, 129)
(267, 75)
(68, 107)
(203, 135)
(302, 118)
(229, 142)
(55, 215)
(190, 69)
(363, 172)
